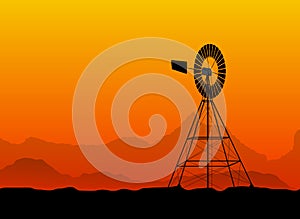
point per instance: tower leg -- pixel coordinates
(217, 159)
(193, 128)
(214, 109)
(231, 141)
(207, 143)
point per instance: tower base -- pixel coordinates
(209, 157)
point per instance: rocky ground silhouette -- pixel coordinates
(152, 202)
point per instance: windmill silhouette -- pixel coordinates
(208, 157)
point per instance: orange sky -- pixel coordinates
(46, 46)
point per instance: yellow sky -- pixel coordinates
(45, 46)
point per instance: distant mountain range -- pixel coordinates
(65, 158)
(42, 164)
(36, 173)
(287, 167)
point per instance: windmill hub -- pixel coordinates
(206, 71)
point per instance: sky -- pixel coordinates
(45, 47)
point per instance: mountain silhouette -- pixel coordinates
(288, 165)
(65, 158)
(253, 161)
(36, 173)
(68, 160)
(267, 180)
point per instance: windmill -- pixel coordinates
(208, 157)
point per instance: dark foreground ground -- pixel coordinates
(239, 202)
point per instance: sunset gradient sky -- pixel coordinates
(46, 45)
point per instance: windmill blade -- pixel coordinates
(180, 66)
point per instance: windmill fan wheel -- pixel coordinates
(209, 71)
